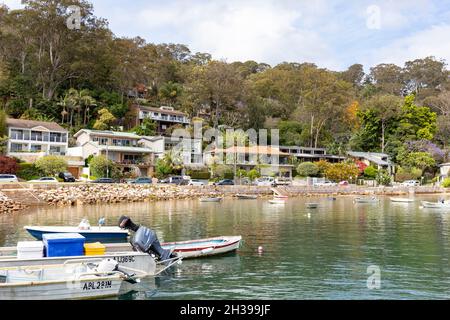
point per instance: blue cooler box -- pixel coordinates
(63, 244)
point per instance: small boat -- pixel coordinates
(436, 205)
(277, 201)
(127, 258)
(211, 199)
(280, 197)
(204, 247)
(71, 280)
(93, 234)
(312, 205)
(367, 200)
(402, 200)
(246, 197)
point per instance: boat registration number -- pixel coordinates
(99, 285)
(128, 259)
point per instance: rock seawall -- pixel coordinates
(9, 206)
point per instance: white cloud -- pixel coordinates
(429, 42)
(12, 4)
(265, 31)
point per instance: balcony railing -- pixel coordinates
(39, 138)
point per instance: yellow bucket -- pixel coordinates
(94, 249)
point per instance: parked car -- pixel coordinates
(196, 182)
(67, 177)
(104, 180)
(326, 183)
(45, 180)
(266, 182)
(282, 181)
(178, 180)
(344, 183)
(142, 180)
(4, 178)
(226, 182)
(411, 183)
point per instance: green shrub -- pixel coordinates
(446, 183)
(103, 167)
(28, 171)
(51, 165)
(253, 175)
(199, 175)
(384, 179)
(370, 172)
(308, 169)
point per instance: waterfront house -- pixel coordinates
(304, 154)
(190, 150)
(381, 161)
(270, 160)
(444, 171)
(165, 117)
(30, 140)
(121, 147)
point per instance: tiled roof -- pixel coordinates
(30, 124)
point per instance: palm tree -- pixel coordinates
(173, 159)
(80, 100)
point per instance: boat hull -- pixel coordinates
(246, 197)
(204, 247)
(63, 290)
(106, 235)
(435, 205)
(402, 200)
(211, 200)
(135, 260)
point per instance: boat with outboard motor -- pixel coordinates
(87, 279)
(436, 205)
(92, 234)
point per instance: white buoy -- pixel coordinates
(260, 249)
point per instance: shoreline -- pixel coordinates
(87, 194)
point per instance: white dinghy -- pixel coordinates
(71, 280)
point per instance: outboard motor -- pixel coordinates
(145, 239)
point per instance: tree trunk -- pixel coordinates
(383, 129)
(312, 131)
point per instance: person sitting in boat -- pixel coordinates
(145, 239)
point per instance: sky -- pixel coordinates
(334, 34)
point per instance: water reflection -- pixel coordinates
(318, 253)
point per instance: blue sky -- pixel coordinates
(331, 33)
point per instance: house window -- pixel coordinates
(36, 148)
(36, 136)
(17, 134)
(17, 147)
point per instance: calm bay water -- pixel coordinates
(308, 254)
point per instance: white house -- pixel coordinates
(121, 147)
(190, 149)
(29, 139)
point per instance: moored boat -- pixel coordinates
(93, 234)
(402, 200)
(246, 197)
(211, 199)
(204, 247)
(130, 259)
(367, 200)
(436, 205)
(312, 205)
(277, 201)
(71, 280)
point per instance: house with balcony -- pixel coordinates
(30, 140)
(304, 154)
(270, 160)
(381, 161)
(165, 117)
(121, 147)
(189, 150)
